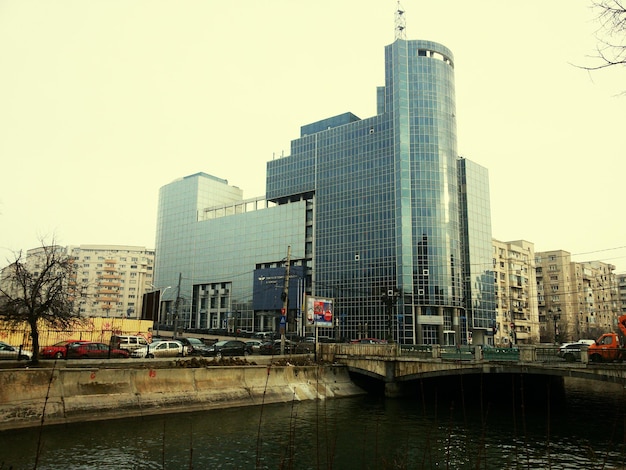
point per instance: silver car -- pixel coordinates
(13, 352)
(160, 349)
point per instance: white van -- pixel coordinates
(129, 343)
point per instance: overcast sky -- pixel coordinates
(102, 102)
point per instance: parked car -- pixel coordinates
(128, 342)
(574, 345)
(13, 352)
(263, 335)
(193, 346)
(228, 348)
(253, 346)
(170, 348)
(94, 351)
(59, 350)
(571, 352)
(273, 347)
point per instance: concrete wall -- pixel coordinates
(70, 395)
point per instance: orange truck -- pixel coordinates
(610, 346)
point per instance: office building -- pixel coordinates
(213, 247)
(388, 222)
(380, 215)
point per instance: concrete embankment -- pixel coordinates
(86, 394)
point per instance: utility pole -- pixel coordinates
(285, 298)
(176, 305)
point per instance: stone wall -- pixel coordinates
(85, 394)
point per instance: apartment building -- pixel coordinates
(597, 297)
(576, 300)
(621, 292)
(517, 317)
(116, 277)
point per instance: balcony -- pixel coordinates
(107, 291)
(110, 276)
(109, 284)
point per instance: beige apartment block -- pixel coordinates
(621, 292)
(116, 276)
(517, 317)
(576, 300)
(598, 299)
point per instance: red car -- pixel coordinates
(94, 351)
(58, 350)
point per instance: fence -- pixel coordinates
(97, 329)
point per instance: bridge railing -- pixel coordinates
(524, 353)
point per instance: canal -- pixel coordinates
(583, 430)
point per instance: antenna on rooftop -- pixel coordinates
(400, 21)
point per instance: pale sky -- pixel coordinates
(102, 102)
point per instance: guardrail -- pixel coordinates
(526, 353)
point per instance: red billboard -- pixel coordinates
(319, 311)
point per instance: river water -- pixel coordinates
(584, 431)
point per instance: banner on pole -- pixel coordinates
(319, 311)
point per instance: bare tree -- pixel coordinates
(611, 34)
(40, 289)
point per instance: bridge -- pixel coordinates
(396, 365)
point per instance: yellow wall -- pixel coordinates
(91, 329)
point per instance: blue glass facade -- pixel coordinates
(478, 273)
(380, 213)
(214, 241)
(388, 242)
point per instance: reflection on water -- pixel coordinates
(364, 433)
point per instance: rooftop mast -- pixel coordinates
(400, 20)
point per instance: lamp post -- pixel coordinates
(389, 298)
(556, 316)
(158, 306)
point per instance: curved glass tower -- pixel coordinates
(388, 242)
(420, 97)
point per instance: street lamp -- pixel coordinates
(389, 298)
(158, 305)
(556, 316)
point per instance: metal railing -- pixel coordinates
(525, 353)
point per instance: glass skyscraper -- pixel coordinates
(389, 243)
(380, 213)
